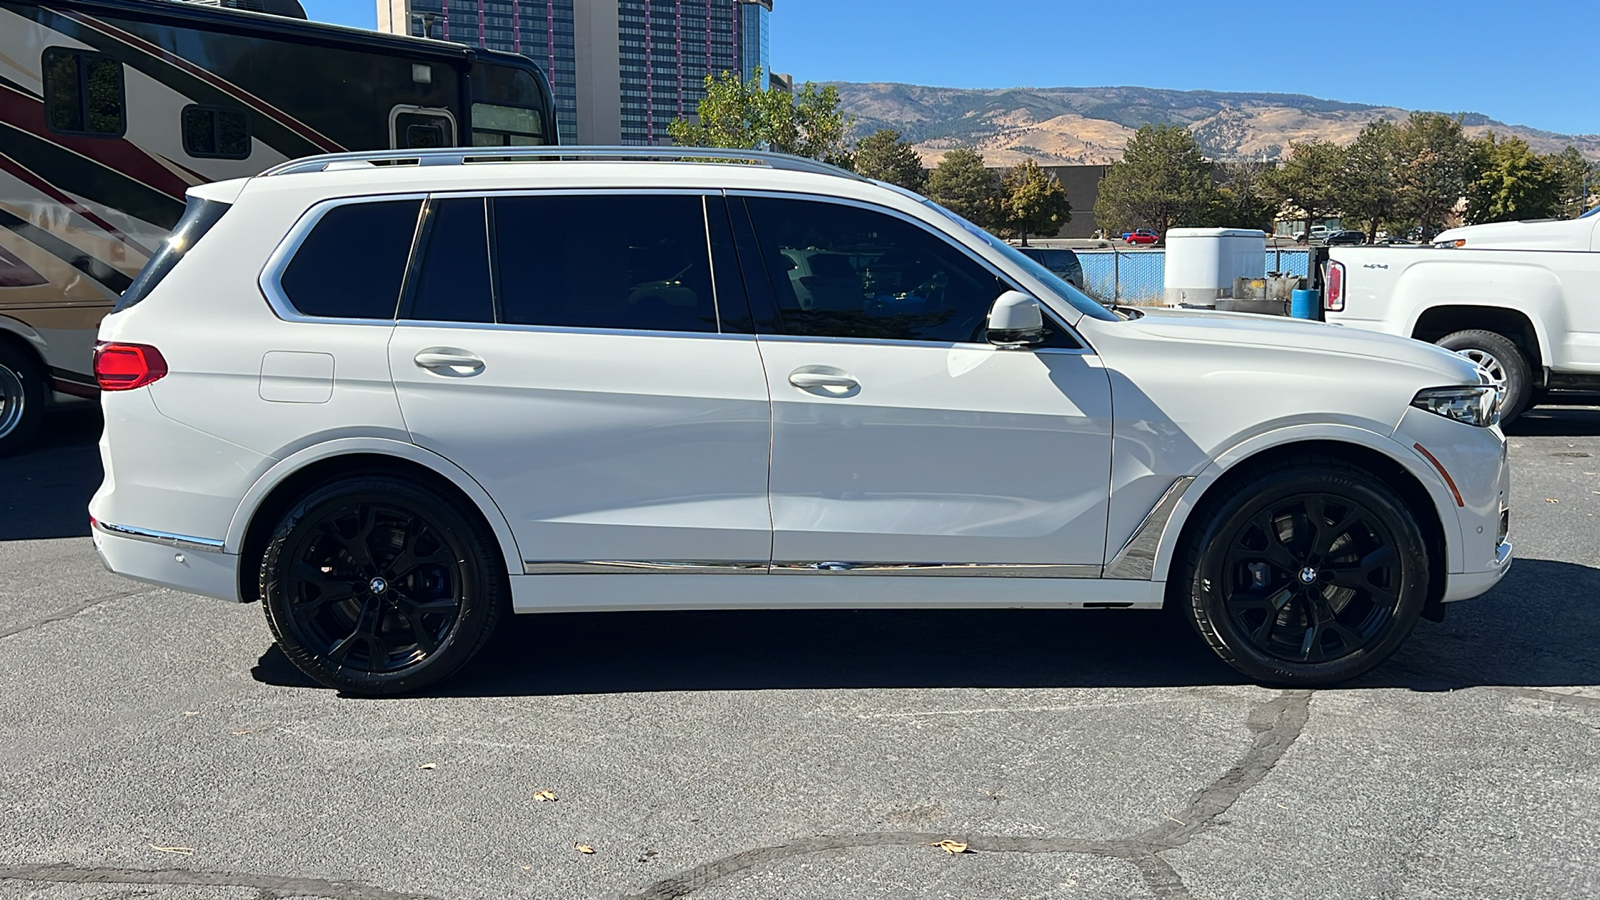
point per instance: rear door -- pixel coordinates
(578, 355)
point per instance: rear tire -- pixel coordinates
(22, 399)
(1304, 573)
(1505, 362)
(378, 586)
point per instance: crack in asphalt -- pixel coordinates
(1277, 723)
(68, 612)
(268, 885)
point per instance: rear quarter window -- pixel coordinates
(198, 218)
(353, 261)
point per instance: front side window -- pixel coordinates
(83, 93)
(844, 271)
(352, 263)
(637, 262)
(211, 132)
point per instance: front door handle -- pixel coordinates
(829, 384)
(448, 361)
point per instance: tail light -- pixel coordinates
(1333, 292)
(123, 367)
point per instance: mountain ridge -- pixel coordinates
(1091, 125)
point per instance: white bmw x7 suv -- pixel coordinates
(396, 395)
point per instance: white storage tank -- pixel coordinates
(1202, 263)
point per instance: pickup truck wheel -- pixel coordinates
(1505, 363)
(22, 396)
(1308, 572)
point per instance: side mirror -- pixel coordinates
(1015, 321)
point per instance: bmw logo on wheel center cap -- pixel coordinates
(378, 585)
(1308, 575)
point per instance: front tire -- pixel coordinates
(379, 586)
(1505, 363)
(1305, 573)
(22, 398)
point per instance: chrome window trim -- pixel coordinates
(180, 541)
(1136, 561)
(271, 279)
(959, 570)
(563, 329)
(948, 238)
(644, 567)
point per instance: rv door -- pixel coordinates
(419, 126)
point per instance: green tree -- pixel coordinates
(1242, 200)
(1513, 182)
(1368, 184)
(1435, 164)
(1161, 181)
(1570, 169)
(884, 156)
(962, 184)
(1033, 202)
(739, 115)
(1309, 179)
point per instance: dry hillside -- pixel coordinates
(1091, 125)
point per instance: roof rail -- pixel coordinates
(456, 156)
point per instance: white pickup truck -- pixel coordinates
(1522, 299)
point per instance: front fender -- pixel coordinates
(1443, 501)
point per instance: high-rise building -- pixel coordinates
(621, 70)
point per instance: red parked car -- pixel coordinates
(1141, 236)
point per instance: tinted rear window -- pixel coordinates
(198, 217)
(605, 261)
(453, 280)
(352, 263)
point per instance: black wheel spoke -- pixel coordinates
(1274, 552)
(410, 559)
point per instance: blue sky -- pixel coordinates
(1518, 63)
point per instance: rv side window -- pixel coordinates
(506, 126)
(83, 93)
(210, 132)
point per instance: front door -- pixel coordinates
(573, 360)
(901, 439)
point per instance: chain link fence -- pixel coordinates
(1136, 276)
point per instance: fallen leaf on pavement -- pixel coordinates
(1551, 500)
(952, 847)
(545, 796)
(180, 851)
(428, 766)
(583, 848)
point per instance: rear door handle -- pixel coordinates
(832, 384)
(448, 361)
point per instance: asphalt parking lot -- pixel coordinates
(154, 744)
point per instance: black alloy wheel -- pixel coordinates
(1308, 574)
(378, 586)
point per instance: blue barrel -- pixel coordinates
(1305, 304)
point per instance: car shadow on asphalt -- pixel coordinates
(1557, 421)
(1539, 628)
(45, 492)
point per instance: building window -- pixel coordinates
(83, 93)
(211, 132)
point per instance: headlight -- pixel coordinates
(1477, 405)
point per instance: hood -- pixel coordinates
(1277, 332)
(1550, 234)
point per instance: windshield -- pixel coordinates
(1079, 300)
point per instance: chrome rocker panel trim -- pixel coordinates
(1136, 561)
(181, 541)
(738, 567)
